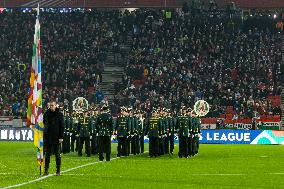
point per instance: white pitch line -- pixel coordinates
(44, 177)
(78, 174)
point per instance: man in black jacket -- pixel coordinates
(53, 135)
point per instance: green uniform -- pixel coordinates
(66, 139)
(74, 132)
(105, 130)
(134, 136)
(162, 135)
(94, 138)
(129, 138)
(183, 128)
(122, 127)
(196, 130)
(169, 140)
(141, 133)
(152, 129)
(85, 131)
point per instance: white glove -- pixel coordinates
(91, 137)
(60, 140)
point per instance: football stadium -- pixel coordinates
(141, 94)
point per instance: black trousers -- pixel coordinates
(94, 145)
(74, 139)
(66, 143)
(85, 140)
(190, 146)
(129, 138)
(141, 143)
(183, 146)
(195, 145)
(153, 146)
(122, 146)
(49, 148)
(134, 144)
(167, 144)
(104, 147)
(161, 146)
(137, 144)
(172, 143)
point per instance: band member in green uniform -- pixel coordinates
(85, 132)
(183, 133)
(74, 132)
(152, 129)
(105, 130)
(122, 127)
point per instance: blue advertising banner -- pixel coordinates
(206, 137)
(237, 137)
(228, 136)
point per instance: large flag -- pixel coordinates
(34, 111)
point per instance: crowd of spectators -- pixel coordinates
(225, 61)
(74, 48)
(175, 58)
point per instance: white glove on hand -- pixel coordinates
(60, 140)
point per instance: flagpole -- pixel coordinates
(38, 18)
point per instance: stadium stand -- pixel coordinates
(174, 60)
(183, 59)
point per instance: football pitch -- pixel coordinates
(216, 166)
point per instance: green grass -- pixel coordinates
(216, 166)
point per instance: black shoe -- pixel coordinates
(80, 155)
(45, 173)
(107, 159)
